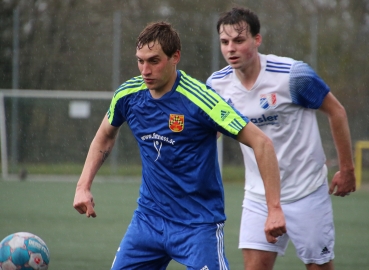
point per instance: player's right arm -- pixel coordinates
(100, 149)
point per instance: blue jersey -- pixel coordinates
(176, 135)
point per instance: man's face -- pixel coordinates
(238, 46)
(157, 69)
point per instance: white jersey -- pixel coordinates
(282, 103)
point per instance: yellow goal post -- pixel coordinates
(359, 146)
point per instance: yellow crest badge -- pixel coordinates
(176, 122)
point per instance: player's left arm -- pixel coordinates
(343, 181)
(267, 162)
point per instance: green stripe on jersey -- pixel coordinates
(211, 103)
(129, 87)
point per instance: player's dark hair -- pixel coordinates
(164, 34)
(236, 16)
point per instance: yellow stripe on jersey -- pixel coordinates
(211, 103)
(129, 87)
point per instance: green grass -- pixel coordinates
(230, 173)
(76, 242)
(73, 169)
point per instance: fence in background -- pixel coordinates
(39, 127)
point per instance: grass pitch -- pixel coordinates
(76, 242)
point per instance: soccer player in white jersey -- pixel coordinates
(280, 96)
(175, 119)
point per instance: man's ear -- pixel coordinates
(176, 57)
(258, 40)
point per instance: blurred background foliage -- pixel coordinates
(68, 45)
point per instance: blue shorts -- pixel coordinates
(151, 242)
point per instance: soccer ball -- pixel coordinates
(23, 251)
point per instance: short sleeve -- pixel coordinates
(306, 87)
(114, 113)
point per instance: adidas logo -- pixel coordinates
(325, 251)
(223, 115)
(205, 268)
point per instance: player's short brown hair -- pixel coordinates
(236, 16)
(164, 34)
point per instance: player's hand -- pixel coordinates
(343, 183)
(84, 202)
(275, 225)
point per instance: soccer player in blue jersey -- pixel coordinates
(175, 119)
(281, 95)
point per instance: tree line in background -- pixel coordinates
(68, 44)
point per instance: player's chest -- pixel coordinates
(263, 106)
(168, 117)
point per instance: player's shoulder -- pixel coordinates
(278, 59)
(195, 90)
(130, 86)
(277, 64)
(225, 74)
(190, 81)
(285, 64)
(221, 74)
(192, 85)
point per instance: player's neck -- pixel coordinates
(249, 74)
(158, 92)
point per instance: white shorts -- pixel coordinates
(309, 226)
